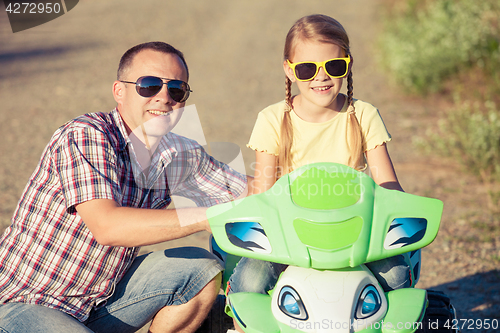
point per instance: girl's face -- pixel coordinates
(322, 90)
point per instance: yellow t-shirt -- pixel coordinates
(317, 142)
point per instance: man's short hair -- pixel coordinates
(128, 57)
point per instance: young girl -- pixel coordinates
(318, 125)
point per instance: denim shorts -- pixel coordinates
(257, 276)
(155, 280)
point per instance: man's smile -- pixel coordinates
(159, 112)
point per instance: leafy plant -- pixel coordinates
(427, 42)
(471, 135)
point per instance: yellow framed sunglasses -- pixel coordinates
(307, 70)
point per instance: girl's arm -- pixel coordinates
(265, 172)
(382, 169)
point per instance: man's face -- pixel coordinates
(155, 115)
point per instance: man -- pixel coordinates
(68, 260)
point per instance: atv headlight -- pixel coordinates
(291, 304)
(369, 302)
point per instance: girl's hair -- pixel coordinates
(324, 29)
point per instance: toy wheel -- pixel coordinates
(440, 314)
(217, 320)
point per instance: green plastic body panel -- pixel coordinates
(325, 216)
(254, 310)
(406, 310)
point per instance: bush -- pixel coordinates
(427, 42)
(471, 135)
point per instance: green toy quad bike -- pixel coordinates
(326, 221)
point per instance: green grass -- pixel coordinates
(470, 133)
(426, 42)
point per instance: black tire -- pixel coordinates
(217, 320)
(439, 315)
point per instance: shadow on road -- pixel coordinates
(475, 298)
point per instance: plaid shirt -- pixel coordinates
(48, 256)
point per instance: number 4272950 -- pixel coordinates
(33, 8)
(471, 324)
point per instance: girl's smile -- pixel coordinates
(322, 89)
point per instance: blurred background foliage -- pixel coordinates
(450, 50)
(428, 42)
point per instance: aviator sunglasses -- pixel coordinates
(307, 70)
(148, 86)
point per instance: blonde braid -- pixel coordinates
(349, 88)
(288, 94)
(286, 134)
(354, 135)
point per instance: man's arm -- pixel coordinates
(113, 225)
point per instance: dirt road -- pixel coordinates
(54, 72)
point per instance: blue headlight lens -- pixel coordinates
(369, 302)
(291, 304)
